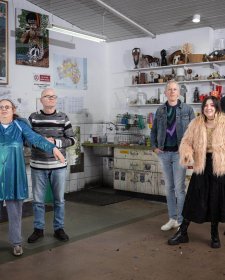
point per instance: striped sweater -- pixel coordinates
(56, 125)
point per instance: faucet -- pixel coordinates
(110, 126)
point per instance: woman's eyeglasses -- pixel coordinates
(50, 96)
(6, 107)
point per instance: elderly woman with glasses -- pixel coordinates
(14, 188)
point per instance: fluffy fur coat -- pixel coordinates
(194, 143)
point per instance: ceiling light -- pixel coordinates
(125, 18)
(77, 33)
(196, 18)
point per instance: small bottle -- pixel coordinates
(104, 139)
(161, 98)
(90, 139)
(185, 97)
(196, 95)
(159, 93)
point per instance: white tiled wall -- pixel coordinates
(97, 170)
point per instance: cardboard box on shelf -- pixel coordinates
(195, 58)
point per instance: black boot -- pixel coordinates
(215, 239)
(181, 235)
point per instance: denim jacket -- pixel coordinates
(184, 114)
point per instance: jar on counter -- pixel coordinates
(141, 98)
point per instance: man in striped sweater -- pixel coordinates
(56, 128)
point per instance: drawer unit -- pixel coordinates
(134, 154)
(137, 171)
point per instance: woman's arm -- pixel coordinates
(40, 142)
(186, 146)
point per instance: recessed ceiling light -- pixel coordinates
(196, 18)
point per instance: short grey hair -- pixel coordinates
(48, 89)
(172, 82)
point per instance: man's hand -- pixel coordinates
(157, 151)
(50, 139)
(58, 155)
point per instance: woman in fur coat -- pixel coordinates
(203, 146)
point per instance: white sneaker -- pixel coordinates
(18, 250)
(170, 224)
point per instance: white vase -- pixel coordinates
(221, 44)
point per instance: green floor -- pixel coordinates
(81, 221)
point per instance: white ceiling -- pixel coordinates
(157, 16)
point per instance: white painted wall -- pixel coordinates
(120, 59)
(21, 77)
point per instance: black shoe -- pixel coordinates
(38, 233)
(178, 238)
(215, 243)
(61, 235)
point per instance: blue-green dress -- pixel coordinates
(13, 178)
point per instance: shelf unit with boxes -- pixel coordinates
(138, 170)
(205, 68)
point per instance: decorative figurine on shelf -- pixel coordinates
(163, 57)
(136, 56)
(152, 60)
(188, 76)
(143, 62)
(196, 95)
(216, 55)
(183, 92)
(173, 74)
(177, 57)
(186, 50)
(151, 77)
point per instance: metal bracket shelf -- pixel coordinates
(181, 82)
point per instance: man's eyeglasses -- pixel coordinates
(7, 107)
(50, 96)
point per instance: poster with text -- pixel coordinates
(32, 40)
(70, 72)
(41, 81)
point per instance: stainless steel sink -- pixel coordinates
(103, 151)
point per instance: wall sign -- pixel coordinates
(41, 81)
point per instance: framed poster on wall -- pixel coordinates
(32, 39)
(3, 43)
